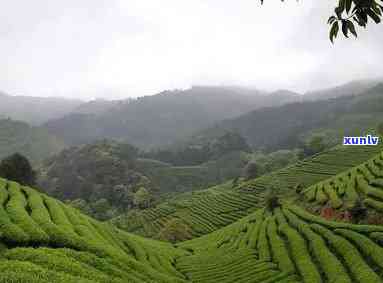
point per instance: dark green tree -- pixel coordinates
(314, 145)
(16, 167)
(175, 230)
(272, 201)
(252, 170)
(358, 211)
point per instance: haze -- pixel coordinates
(118, 49)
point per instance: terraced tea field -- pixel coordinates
(363, 182)
(211, 209)
(43, 240)
(286, 245)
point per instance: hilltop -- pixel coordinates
(161, 119)
(35, 110)
(288, 126)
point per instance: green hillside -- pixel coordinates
(286, 245)
(103, 177)
(161, 119)
(33, 142)
(363, 182)
(35, 110)
(43, 240)
(289, 125)
(208, 210)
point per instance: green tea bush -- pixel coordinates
(279, 250)
(16, 209)
(263, 243)
(321, 196)
(365, 245)
(350, 255)
(335, 201)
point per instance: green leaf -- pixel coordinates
(345, 28)
(331, 20)
(342, 5)
(338, 12)
(334, 31)
(348, 5)
(373, 16)
(351, 27)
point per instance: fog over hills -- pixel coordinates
(160, 119)
(35, 110)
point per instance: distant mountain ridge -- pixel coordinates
(35, 110)
(158, 120)
(33, 142)
(273, 128)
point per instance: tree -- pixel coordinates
(16, 167)
(81, 205)
(347, 13)
(272, 201)
(252, 170)
(314, 145)
(142, 198)
(350, 12)
(175, 230)
(358, 211)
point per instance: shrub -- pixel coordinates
(358, 211)
(16, 167)
(175, 230)
(350, 255)
(301, 255)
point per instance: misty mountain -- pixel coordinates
(33, 142)
(287, 126)
(161, 119)
(35, 110)
(351, 88)
(97, 106)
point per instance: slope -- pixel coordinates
(43, 240)
(289, 125)
(341, 192)
(35, 110)
(33, 142)
(161, 119)
(206, 211)
(286, 244)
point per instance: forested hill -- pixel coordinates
(33, 142)
(287, 126)
(107, 178)
(163, 118)
(35, 110)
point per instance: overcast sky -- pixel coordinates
(122, 48)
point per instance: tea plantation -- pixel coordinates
(363, 182)
(286, 245)
(206, 211)
(43, 240)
